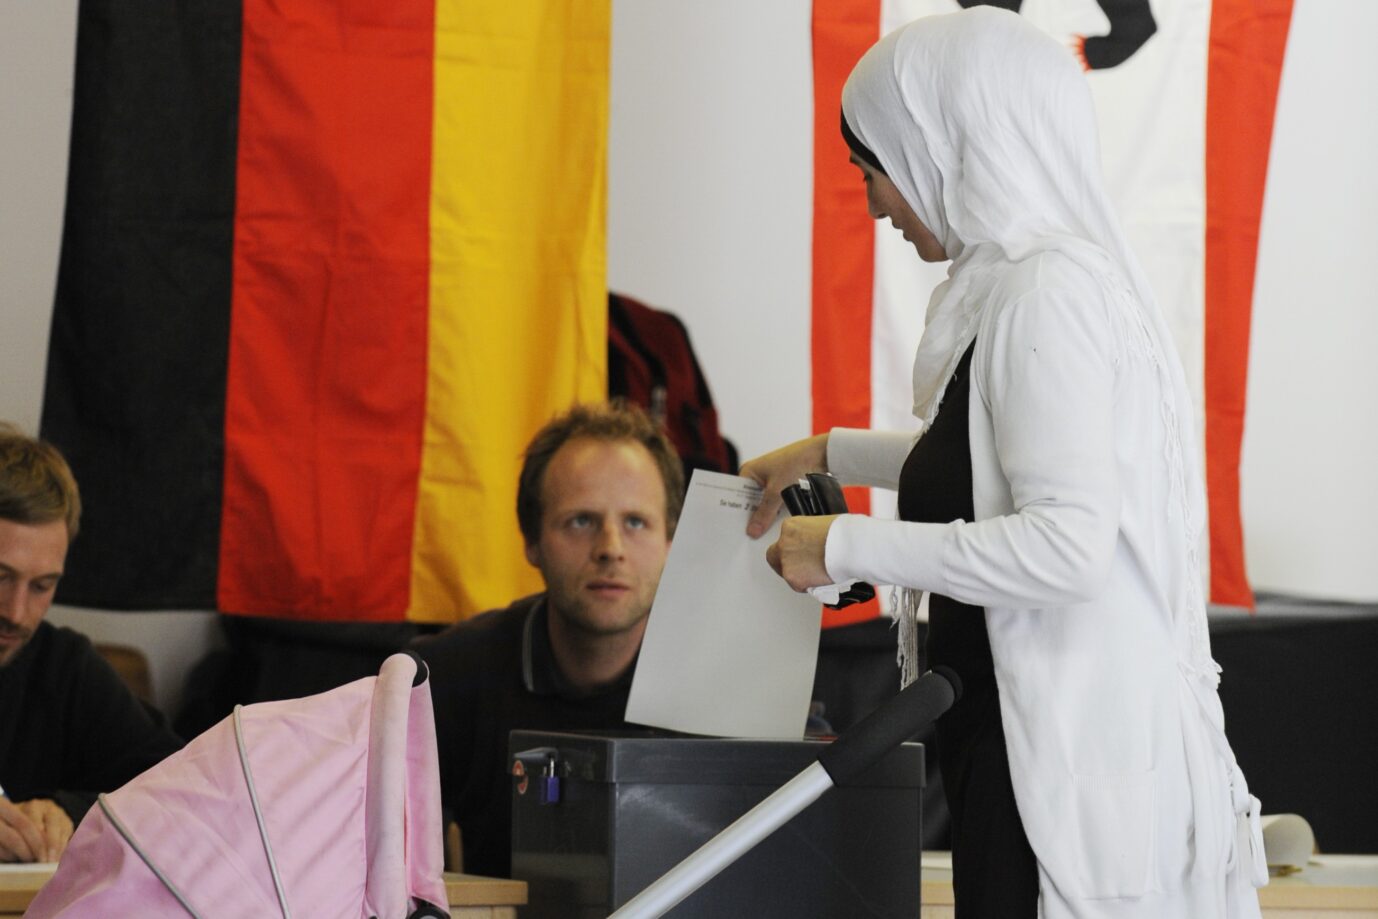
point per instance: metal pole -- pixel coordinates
(729, 845)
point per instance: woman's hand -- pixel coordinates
(798, 555)
(781, 468)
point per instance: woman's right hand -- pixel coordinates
(776, 470)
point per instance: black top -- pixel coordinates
(935, 487)
(994, 872)
(490, 675)
(69, 727)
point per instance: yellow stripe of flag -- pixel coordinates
(518, 290)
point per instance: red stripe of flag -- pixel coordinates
(1247, 43)
(843, 244)
(327, 363)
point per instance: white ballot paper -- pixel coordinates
(729, 649)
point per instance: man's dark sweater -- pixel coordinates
(490, 675)
(69, 727)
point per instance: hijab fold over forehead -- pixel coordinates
(860, 149)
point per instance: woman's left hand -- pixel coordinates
(798, 555)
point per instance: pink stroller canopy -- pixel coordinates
(327, 806)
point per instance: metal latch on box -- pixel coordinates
(539, 766)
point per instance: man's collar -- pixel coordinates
(538, 659)
(541, 674)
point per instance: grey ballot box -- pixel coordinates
(627, 808)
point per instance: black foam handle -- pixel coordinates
(422, 671)
(827, 493)
(796, 500)
(890, 725)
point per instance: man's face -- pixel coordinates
(31, 558)
(603, 540)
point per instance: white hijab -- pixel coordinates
(987, 128)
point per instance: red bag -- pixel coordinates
(651, 363)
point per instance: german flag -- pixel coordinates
(326, 266)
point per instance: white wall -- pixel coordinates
(1311, 441)
(709, 216)
(37, 43)
(710, 194)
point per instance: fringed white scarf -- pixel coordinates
(986, 126)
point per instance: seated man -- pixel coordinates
(599, 495)
(69, 728)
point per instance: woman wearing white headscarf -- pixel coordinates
(1051, 505)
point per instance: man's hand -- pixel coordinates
(779, 469)
(33, 831)
(798, 555)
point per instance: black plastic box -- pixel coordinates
(630, 808)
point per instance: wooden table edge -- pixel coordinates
(472, 890)
(16, 901)
(1299, 896)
